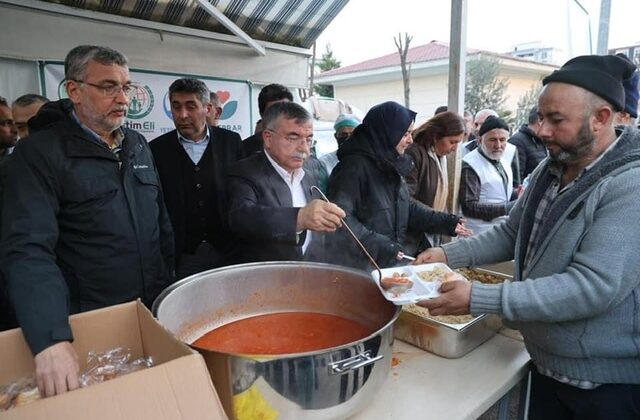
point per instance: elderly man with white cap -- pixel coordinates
(575, 236)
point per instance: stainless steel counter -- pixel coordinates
(425, 386)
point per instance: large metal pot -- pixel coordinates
(325, 384)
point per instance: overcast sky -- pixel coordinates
(365, 29)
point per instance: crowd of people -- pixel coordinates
(94, 215)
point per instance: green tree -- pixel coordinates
(326, 63)
(526, 102)
(484, 89)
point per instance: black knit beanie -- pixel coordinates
(600, 74)
(492, 122)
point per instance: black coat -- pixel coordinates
(380, 210)
(80, 229)
(226, 147)
(531, 150)
(253, 144)
(7, 315)
(262, 216)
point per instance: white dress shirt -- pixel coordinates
(294, 182)
(195, 149)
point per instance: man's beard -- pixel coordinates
(492, 155)
(585, 142)
(107, 122)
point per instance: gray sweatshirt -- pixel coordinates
(577, 303)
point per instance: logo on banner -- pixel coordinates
(166, 105)
(228, 108)
(141, 103)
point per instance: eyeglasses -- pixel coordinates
(295, 138)
(111, 91)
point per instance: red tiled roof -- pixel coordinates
(435, 50)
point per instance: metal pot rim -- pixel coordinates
(166, 292)
(194, 277)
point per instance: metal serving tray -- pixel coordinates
(448, 340)
(442, 339)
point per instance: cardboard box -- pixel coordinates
(177, 387)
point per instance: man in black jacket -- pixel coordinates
(269, 95)
(83, 218)
(8, 139)
(531, 150)
(192, 161)
(271, 208)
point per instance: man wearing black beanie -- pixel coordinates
(574, 236)
(488, 182)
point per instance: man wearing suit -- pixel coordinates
(271, 208)
(192, 161)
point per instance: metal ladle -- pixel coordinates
(353, 235)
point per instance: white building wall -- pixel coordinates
(428, 92)
(519, 85)
(367, 95)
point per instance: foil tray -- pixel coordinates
(448, 340)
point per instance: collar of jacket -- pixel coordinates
(626, 152)
(279, 186)
(78, 144)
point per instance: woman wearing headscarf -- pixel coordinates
(368, 184)
(428, 180)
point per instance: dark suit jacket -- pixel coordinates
(253, 144)
(226, 147)
(262, 216)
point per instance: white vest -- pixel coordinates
(492, 189)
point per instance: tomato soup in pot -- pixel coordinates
(283, 333)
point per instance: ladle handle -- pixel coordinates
(353, 235)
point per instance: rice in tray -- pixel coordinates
(447, 319)
(437, 273)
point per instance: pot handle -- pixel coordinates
(353, 363)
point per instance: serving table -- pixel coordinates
(425, 386)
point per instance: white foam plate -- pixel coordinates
(421, 289)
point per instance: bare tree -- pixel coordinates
(402, 51)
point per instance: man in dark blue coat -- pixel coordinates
(83, 218)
